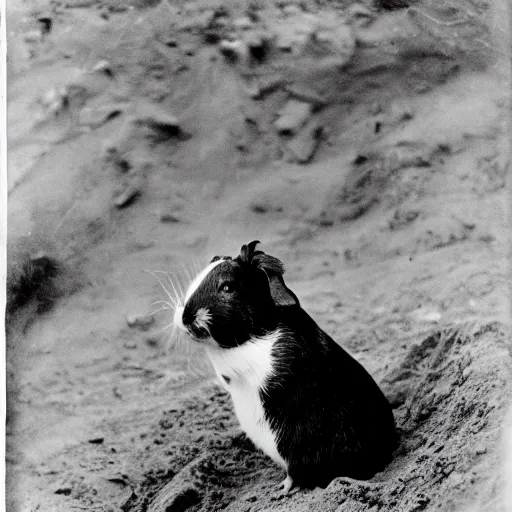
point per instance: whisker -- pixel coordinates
(164, 308)
(171, 283)
(171, 306)
(178, 286)
(184, 268)
(175, 281)
(173, 299)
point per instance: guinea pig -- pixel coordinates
(300, 397)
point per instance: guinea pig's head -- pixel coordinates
(234, 299)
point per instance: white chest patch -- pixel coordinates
(247, 369)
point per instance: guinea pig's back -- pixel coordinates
(323, 392)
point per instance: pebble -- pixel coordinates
(65, 490)
(97, 116)
(169, 218)
(426, 315)
(113, 156)
(55, 100)
(126, 198)
(235, 51)
(96, 440)
(306, 94)
(293, 116)
(46, 24)
(154, 116)
(103, 66)
(140, 321)
(304, 145)
(175, 497)
(480, 449)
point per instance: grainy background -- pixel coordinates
(365, 143)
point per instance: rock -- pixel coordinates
(259, 45)
(170, 218)
(118, 478)
(96, 440)
(175, 498)
(390, 5)
(126, 198)
(128, 501)
(292, 117)
(306, 94)
(97, 116)
(33, 36)
(262, 86)
(155, 117)
(56, 100)
(103, 66)
(480, 449)
(396, 394)
(130, 345)
(63, 489)
(46, 24)
(140, 321)
(113, 156)
(235, 51)
(426, 315)
(304, 145)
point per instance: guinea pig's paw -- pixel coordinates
(287, 486)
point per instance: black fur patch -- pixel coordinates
(332, 417)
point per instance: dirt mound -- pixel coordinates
(450, 392)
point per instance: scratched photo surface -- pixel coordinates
(358, 357)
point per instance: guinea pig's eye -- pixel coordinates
(227, 287)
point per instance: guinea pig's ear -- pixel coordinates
(247, 252)
(274, 270)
